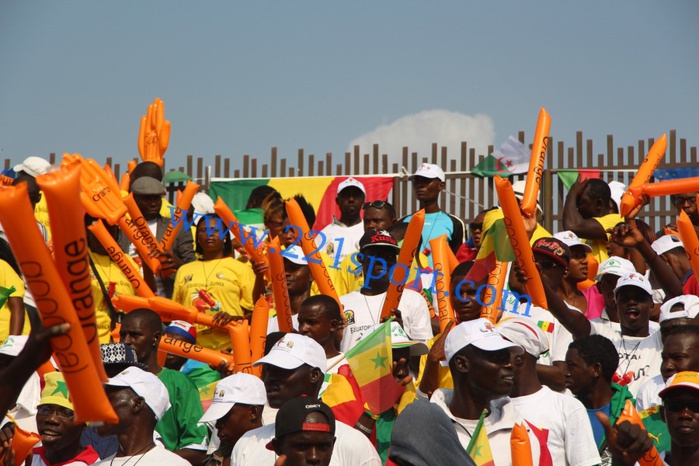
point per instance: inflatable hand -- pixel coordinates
(154, 133)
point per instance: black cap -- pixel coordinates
(291, 417)
(378, 238)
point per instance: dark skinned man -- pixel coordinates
(343, 234)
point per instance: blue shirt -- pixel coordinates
(597, 428)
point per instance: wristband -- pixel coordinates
(364, 429)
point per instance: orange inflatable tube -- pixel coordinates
(652, 457)
(315, 262)
(71, 350)
(154, 133)
(666, 188)
(536, 164)
(258, 332)
(240, 339)
(62, 191)
(453, 261)
(143, 245)
(6, 180)
(281, 293)
(196, 352)
(22, 442)
(126, 264)
(688, 235)
(406, 256)
(519, 240)
(520, 446)
(141, 224)
(256, 254)
(645, 171)
(125, 182)
(183, 204)
(492, 295)
(442, 277)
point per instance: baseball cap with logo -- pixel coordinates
(239, 388)
(518, 187)
(634, 279)
(685, 379)
(553, 248)
(666, 243)
(480, 333)
(147, 386)
(351, 183)
(295, 255)
(55, 391)
(377, 238)
(13, 345)
(291, 418)
(690, 308)
(615, 266)
(571, 240)
(184, 329)
(293, 351)
(147, 186)
(429, 170)
(33, 166)
(524, 333)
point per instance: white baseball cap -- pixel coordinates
(293, 351)
(690, 311)
(618, 189)
(238, 388)
(33, 166)
(296, 255)
(429, 170)
(351, 182)
(526, 334)
(571, 240)
(615, 265)
(14, 345)
(518, 187)
(666, 243)
(145, 385)
(480, 333)
(634, 279)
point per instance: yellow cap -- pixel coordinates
(56, 391)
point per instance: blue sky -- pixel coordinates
(240, 77)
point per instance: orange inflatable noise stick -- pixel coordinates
(442, 278)
(240, 340)
(652, 457)
(666, 188)
(142, 228)
(6, 180)
(688, 235)
(492, 295)
(536, 164)
(256, 254)
(195, 352)
(130, 165)
(519, 241)
(125, 182)
(258, 332)
(71, 350)
(183, 204)
(520, 446)
(127, 266)
(22, 442)
(62, 191)
(154, 133)
(645, 171)
(281, 293)
(308, 245)
(406, 256)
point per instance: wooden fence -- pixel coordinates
(465, 194)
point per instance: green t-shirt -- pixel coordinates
(179, 426)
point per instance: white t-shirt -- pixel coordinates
(559, 337)
(570, 438)
(639, 356)
(647, 396)
(503, 416)
(352, 448)
(616, 326)
(340, 239)
(362, 312)
(157, 456)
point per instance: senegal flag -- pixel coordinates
(371, 362)
(479, 447)
(319, 191)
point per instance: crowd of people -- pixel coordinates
(607, 373)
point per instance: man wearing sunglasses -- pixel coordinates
(342, 235)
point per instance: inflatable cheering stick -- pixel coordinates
(195, 352)
(183, 203)
(258, 332)
(492, 296)
(154, 133)
(645, 171)
(442, 278)
(279, 290)
(536, 164)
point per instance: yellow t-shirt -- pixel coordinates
(493, 215)
(8, 278)
(599, 247)
(227, 282)
(109, 272)
(41, 214)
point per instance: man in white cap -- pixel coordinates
(428, 183)
(563, 425)
(236, 409)
(295, 367)
(672, 251)
(480, 362)
(140, 399)
(342, 235)
(600, 299)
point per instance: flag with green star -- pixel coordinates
(479, 447)
(5, 293)
(371, 362)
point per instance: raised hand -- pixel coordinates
(154, 133)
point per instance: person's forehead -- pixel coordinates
(315, 311)
(679, 340)
(632, 292)
(579, 249)
(682, 394)
(350, 190)
(573, 356)
(379, 251)
(374, 212)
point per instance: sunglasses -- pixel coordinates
(63, 413)
(476, 226)
(675, 406)
(375, 204)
